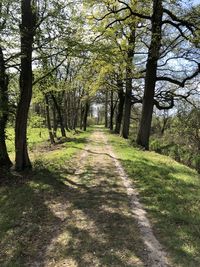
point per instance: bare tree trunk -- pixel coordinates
(69, 112)
(87, 106)
(106, 109)
(120, 108)
(51, 135)
(65, 111)
(111, 111)
(127, 108)
(81, 117)
(150, 79)
(27, 29)
(165, 122)
(76, 114)
(55, 125)
(4, 158)
(62, 128)
(128, 93)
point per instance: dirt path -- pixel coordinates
(99, 216)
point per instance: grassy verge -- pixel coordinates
(170, 193)
(35, 136)
(25, 220)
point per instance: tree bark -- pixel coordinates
(62, 127)
(150, 78)
(4, 158)
(87, 106)
(76, 114)
(111, 111)
(69, 111)
(51, 135)
(81, 116)
(120, 108)
(27, 31)
(55, 125)
(65, 111)
(128, 93)
(106, 109)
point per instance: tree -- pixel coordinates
(4, 110)
(151, 74)
(27, 32)
(120, 107)
(152, 69)
(4, 80)
(129, 74)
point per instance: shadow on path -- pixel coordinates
(60, 219)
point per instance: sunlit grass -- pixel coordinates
(56, 217)
(25, 220)
(170, 193)
(35, 137)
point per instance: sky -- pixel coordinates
(196, 2)
(190, 2)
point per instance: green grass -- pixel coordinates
(170, 193)
(35, 136)
(56, 214)
(25, 219)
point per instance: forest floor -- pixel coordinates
(78, 208)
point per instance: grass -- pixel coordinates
(170, 193)
(25, 219)
(54, 212)
(54, 216)
(35, 136)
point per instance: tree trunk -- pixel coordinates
(51, 135)
(106, 109)
(62, 127)
(76, 115)
(65, 111)
(4, 158)
(69, 111)
(81, 116)
(27, 30)
(85, 116)
(150, 79)
(120, 108)
(128, 93)
(111, 111)
(55, 125)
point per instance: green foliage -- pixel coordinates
(36, 121)
(156, 145)
(170, 193)
(196, 160)
(36, 136)
(181, 139)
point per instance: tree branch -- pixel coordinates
(183, 22)
(180, 83)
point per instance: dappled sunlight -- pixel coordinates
(170, 193)
(76, 214)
